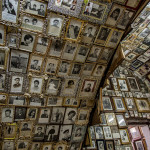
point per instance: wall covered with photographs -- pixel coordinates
(53, 55)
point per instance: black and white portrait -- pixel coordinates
(54, 101)
(17, 84)
(7, 115)
(122, 85)
(52, 133)
(107, 132)
(19, 61)
(10, 131)
(12, 40)
(119, 104)
(92, 132)
(10, 10)
(35, 7)
(107, 103)
(136, 64)
(68, 4)
(64, 68)
(65, 133)
(101, 145)
(39, 133)
(70, 115)
(73, 29)
(110, 145)
(27, 41)
(88, 68)
(36, 85)
(37, 101)
(76, 69)
(20, 113)
(133, 84)
(142, 105)
(2, 82)
(8, 145)
(57, 115)
(130, 103)
(55, 24)
(124, 136)
(2, 35)
(99, 70)
(32, 113)
(83, 116)
(3, 98)
(26, 129)
(99, 133)
(88, 86)
(17, 100)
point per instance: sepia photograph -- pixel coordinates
(39, 133)
(2, 34)
(20, 113)
(19, 100)
(3, 98)
(61, 145)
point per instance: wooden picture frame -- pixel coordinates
(124, 136)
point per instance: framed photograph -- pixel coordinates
(18, 61)
(87, 69)
(89, 33)
(130, 57)
(99, 70)
(124, 136)
(130, 103)
(32, 23)
(86, 103)
(53, 86)
(20, 113)
(65, 133)
(55, 24)
(39, 132)
(3, 57)
(135, 133)
(142, 105)
(111, 119)
(10, 130)
(57, 116)
(44, 115)
(52, 133)
(134, 5)
(102, 35)
(115, 14)
(64, 68)
(12, 40)
(37, 101)
(8, 144)
(139, 145)
(100, 144)
(71, 101)
(136, 64)
(75, 145)
(2, 35)
(54, 101)
(121, 120)
(31, 113)
(122, 84)
(56, 47)
(17, 83)
(70, 116)
(110, 145)
(18, 100)
(61, 145)
(10, 11)
(73, 30)
(36, 84)
(47, 146)
(119, 104)
(69, 87)
(35, 145)
(35, 7)
(76, 69)
(99, 132)
(22, 144)
(133, 85)
(27, 41)
(88, 87)
(82, 52)
(115, 132)
(3, 98)
(91, 133)
(107, 132)
(78, 133)
(7, 114)
(94, 53)
(143, 58)
(69, 51)
(26, 129)
(83, 116)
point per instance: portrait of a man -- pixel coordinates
(7, 114)
(20, 113)
(39, 133)
(25, 127)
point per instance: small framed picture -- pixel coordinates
(99, 70)
(103, 119)
(75, 145)
(65, 133)
(86, 103)
(7, 14)
(10, 130)
(20, 113)
(47, 146)
(103, 35)
(70, 101)
(121, 121)
(8, 144)
(89, 33)
(111, 119)
(18, 61)
(119, 104)
(76, 69)
(139, 145)
(3, 57)
(91, 133)
(35, 7)
(12, 40)
(39, 132)
(56, 47)
(54, 101)
(100, 144)
(70, 116)
(107, 104)
(22, 144)
(123, 86)
(110, 144)
(61, 145)
(107, 132)
(94, 53)
(44, 116)
(31, 113)
(82, 52)
(59, 112)
(99, 133)
(124, 136)
(55, 24)
(35, 145)
(73, 30)
(27, 41)
(37, 101)
(41, 45)
(130, 57)
(3, 98)
(53, 86)
(115, 133)
(130, 103)
(32, 23)
(136, 64)
(142, 105)
(87, 69)
(135, 133)
(36, 84)
(115, 14)
(52, 133)
(2, 35)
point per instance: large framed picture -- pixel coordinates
(9, 11)
(2, 35)
(119, 104)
